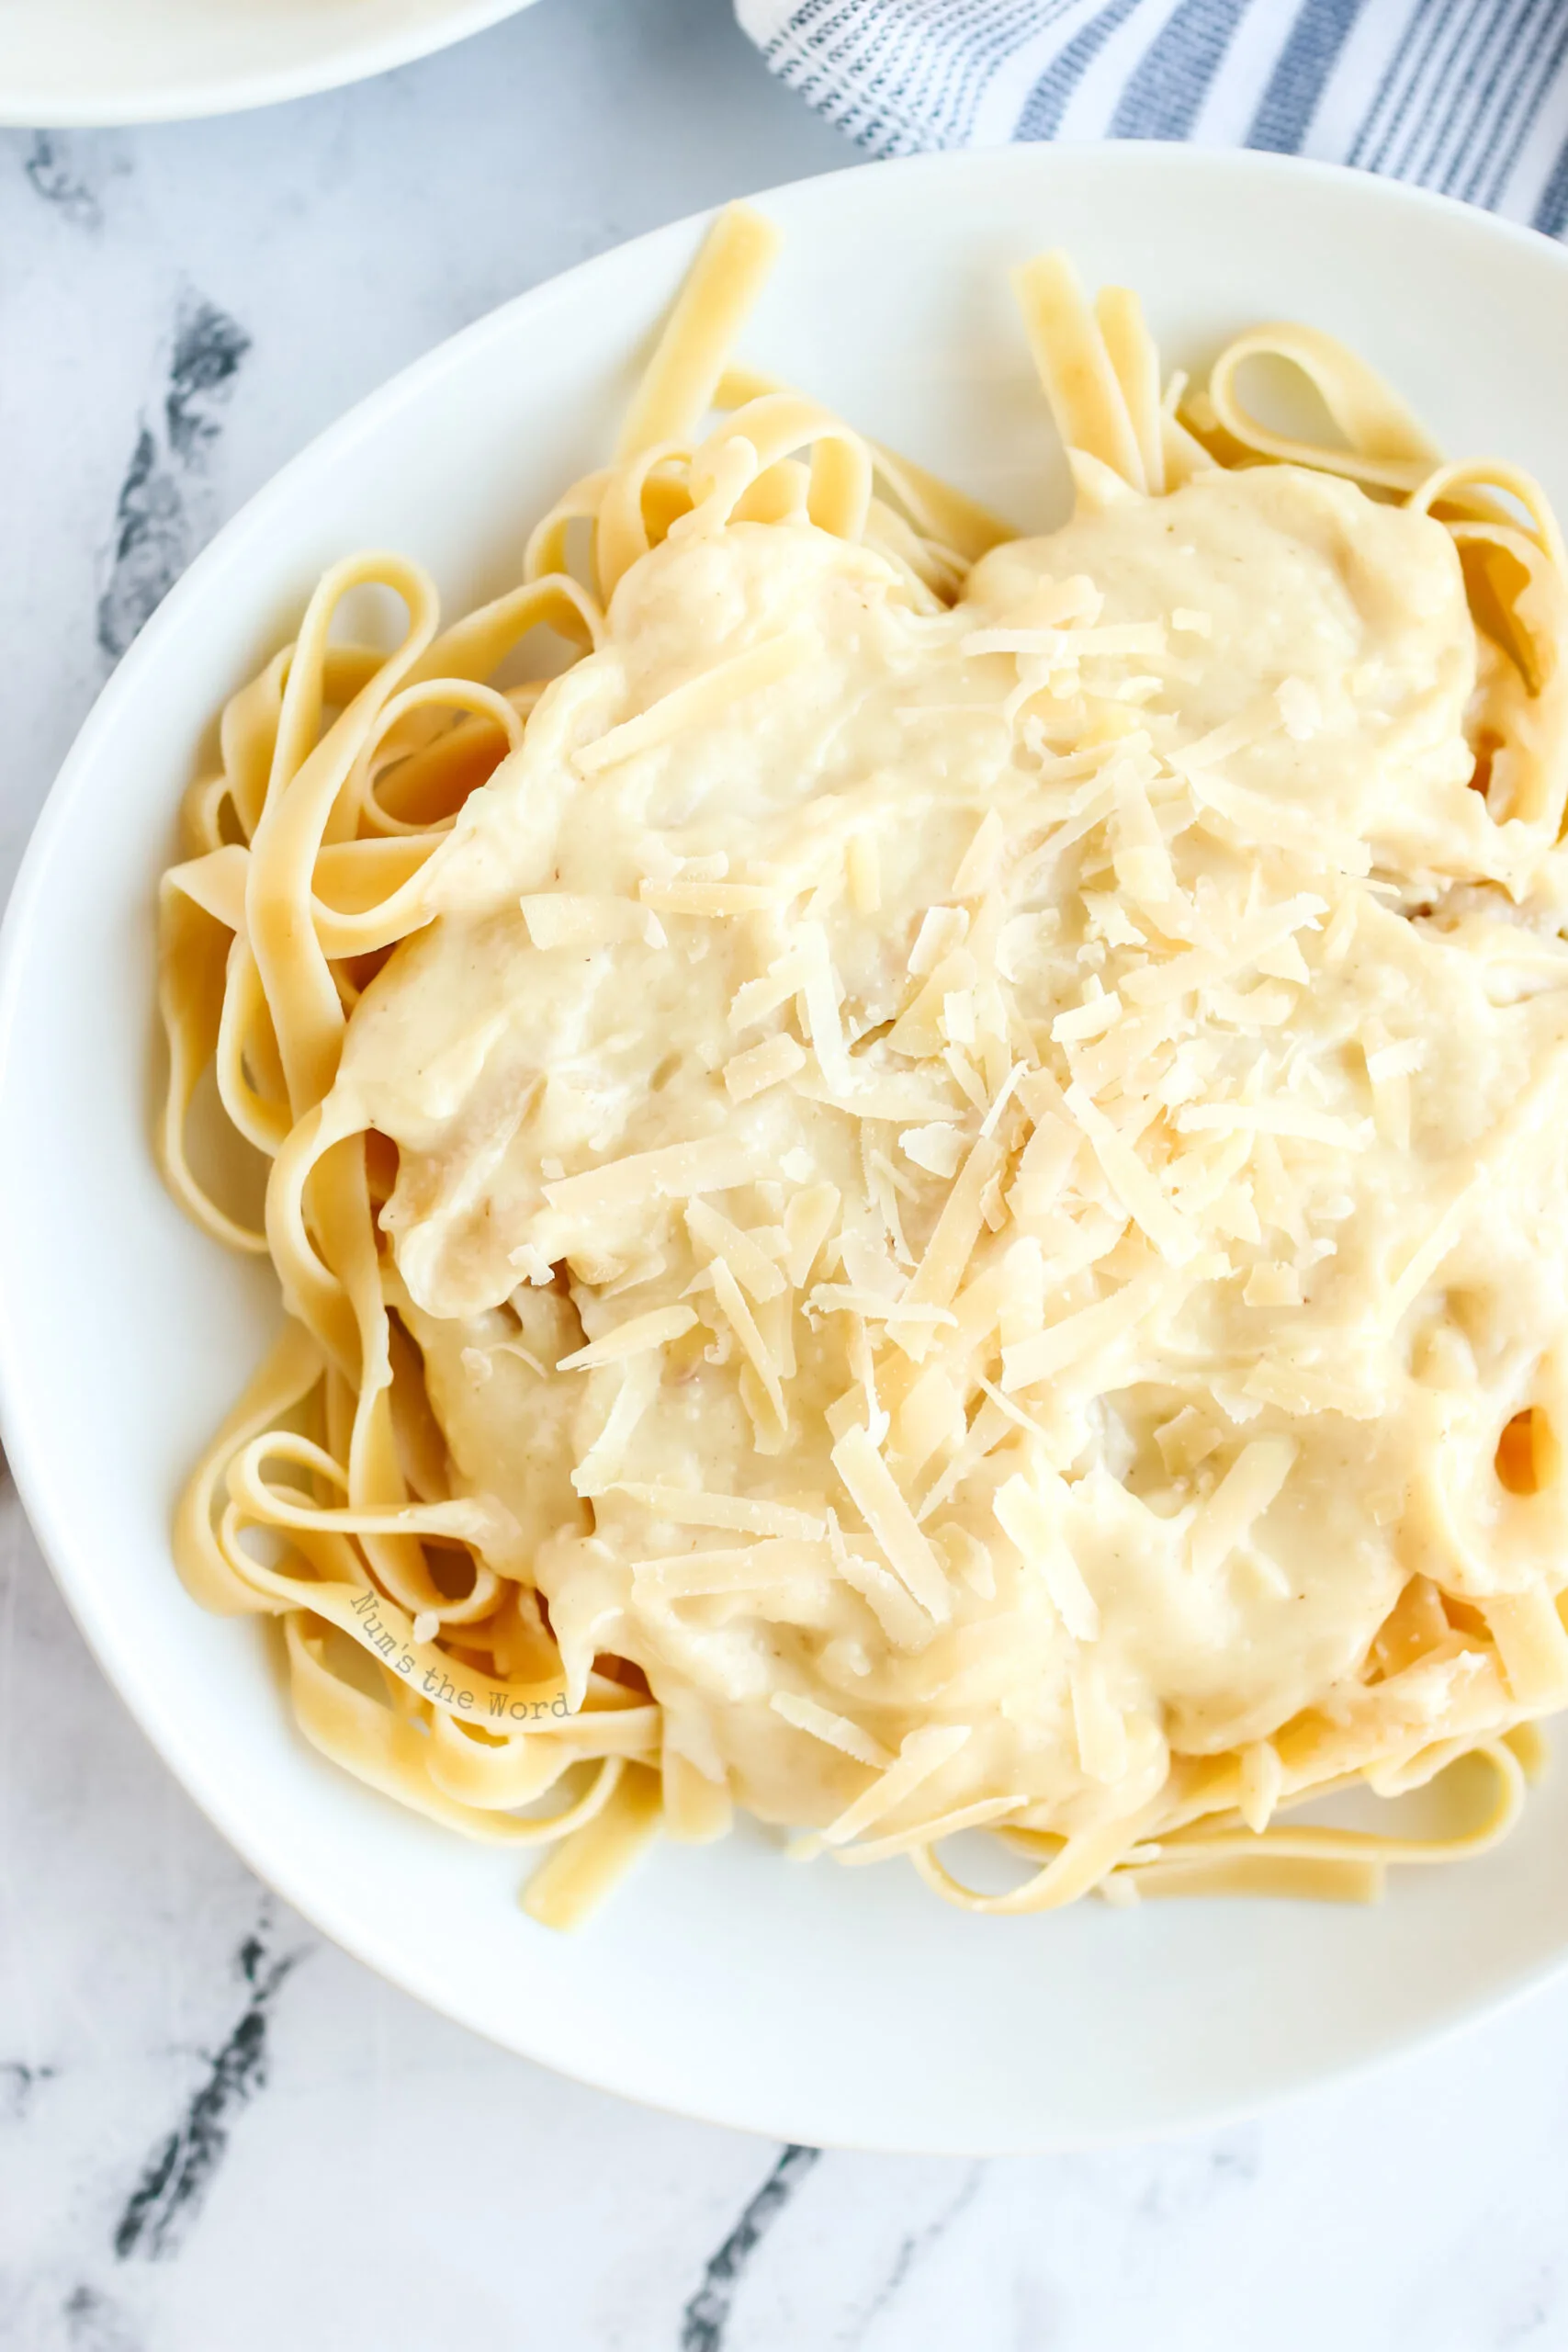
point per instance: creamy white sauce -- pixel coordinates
(1415, 1010)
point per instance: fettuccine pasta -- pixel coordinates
(925, 1192)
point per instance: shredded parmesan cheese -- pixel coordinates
(956, 1231)
(941, 929)
(727, 1290)
(836, 1730)
(715, 1165)
(763, 1066)
(653, 1330)
(1251, 1484)
(978, 1815)
(744, 1513)
(1137, 1188)
(1076, 1336)
(921, 1754)
(938, 1148)
(1100, 1729)
(871, 1487)
(559, 919)
(750, 1266)
(691, 705)
(1035, 1527)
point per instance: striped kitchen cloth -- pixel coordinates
(1466, 95)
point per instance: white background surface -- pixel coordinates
(358, 2171)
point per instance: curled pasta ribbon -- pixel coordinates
(629, 509)
(495, 1773)
(451, 675)
(444, 746)
(1206, 1859)
(291, 1370)
(464, 1520)
(247, 737)
(302, 811)
(374, 1478)
(474, 646)
(420, 790)
(748, 471)
(312, 1287)
(640, 500)
(1082, 1862)
(1516, 584)
(432, 1749)
(369, 894)
(381, 1625)
(302, 880)
(201, 919)
(773, 428)
(388, 1750)
(592, 1839)
(1516, 594)
(549, 546)
(385, 1629)
(1468, 491)
(780, 494)
(284, 1010)
(247, 1043)
(942, 516)
(1385, 448)
(193, 964)
(1304, 1859)
(339, 1290)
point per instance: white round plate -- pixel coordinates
(65, 63)
(812, 2003)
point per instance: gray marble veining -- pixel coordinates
(217, 2133)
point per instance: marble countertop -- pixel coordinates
(218, 2135)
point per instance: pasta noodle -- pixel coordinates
(926, 1192)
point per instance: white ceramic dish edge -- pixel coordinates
(169, 94)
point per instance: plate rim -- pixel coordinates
(73, 1574)
(361, 59)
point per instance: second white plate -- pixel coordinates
(66, 63)
(814, 2004)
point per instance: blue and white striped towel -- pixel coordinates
(1466, 95)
